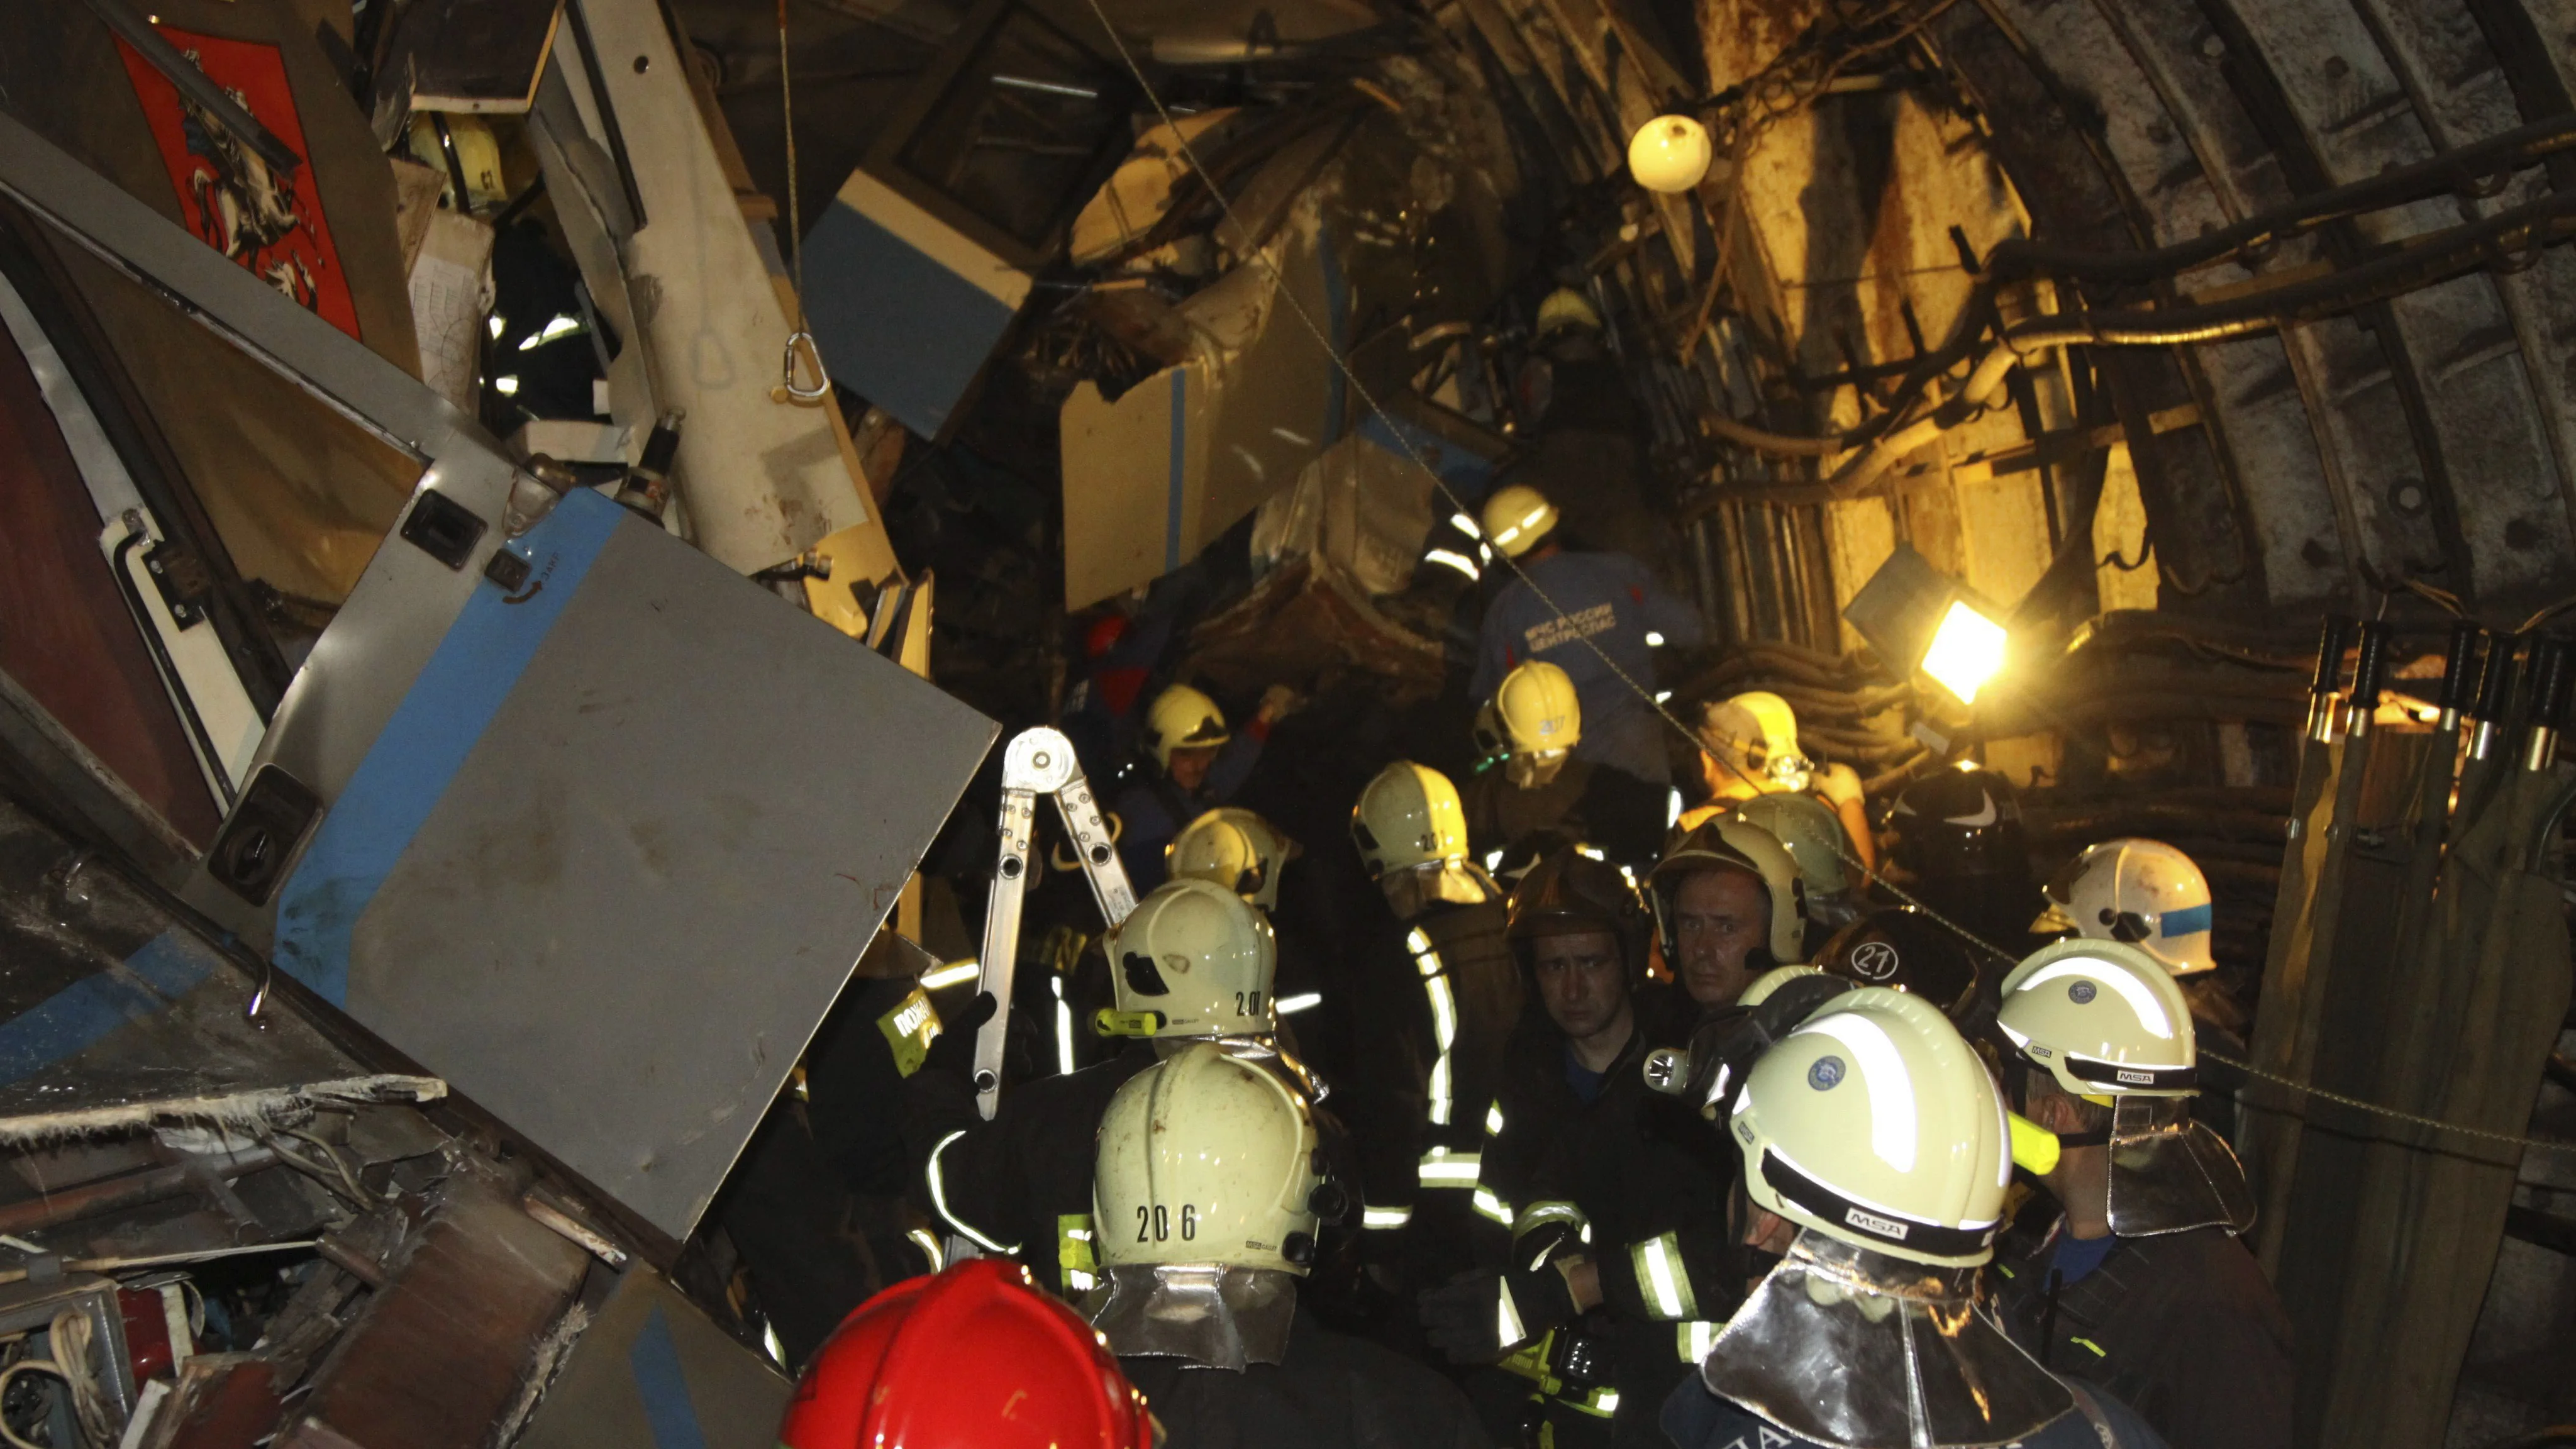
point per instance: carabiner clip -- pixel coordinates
(787, 391)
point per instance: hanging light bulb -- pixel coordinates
(1670, 154)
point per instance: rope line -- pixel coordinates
(1296, 308)
(2542, 1144)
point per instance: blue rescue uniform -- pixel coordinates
(1613, 601)
(1153, 809)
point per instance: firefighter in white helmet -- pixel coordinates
(2128, 1270)
(1875, 1160)
(1209, 1196)
(1729, 905)
(1193, 962)
(1195, 762)
(2154, 897)
(1435, 998)
(1526, 778)
(1748, 749)
(1598, 616)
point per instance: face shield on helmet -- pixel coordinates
(2108, 1025)
(1541, 722)
(1193, 959)
(2143, 892)
(1181, 717)
(1234, 848)
(1874, 1126)
(1206, 1200)
(974, 1355)
(1517, 517)
(1724, 842)
(1755, 739)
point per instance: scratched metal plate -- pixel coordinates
(652, 873)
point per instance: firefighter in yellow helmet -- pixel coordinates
(1194, 762)
(1435, 998)
(1748, 748)
(1526, 778)
(1600, 617)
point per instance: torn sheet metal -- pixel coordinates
(1140, 191)
(1151, 477)
(653, 1369)
(1369, 502)
(114, 1016)
(1309, 622)
(621, 839)
(763, 479)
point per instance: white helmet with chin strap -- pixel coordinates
(1193, 959)
(2143, 892)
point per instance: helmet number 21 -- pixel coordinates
(1154, 1224)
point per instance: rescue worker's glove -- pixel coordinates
(954, 1051)
(1481, 1314)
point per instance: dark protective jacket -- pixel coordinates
(1015, 1182)
(2182, 1326)
(1021, 1183)
(1329, 1392)
(1651, 1182)
(1614, 602)
(1452, 963)
(1152, 810)
(1694, 1418)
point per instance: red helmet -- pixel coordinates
(973, 1358)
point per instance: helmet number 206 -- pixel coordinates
(1154, 1224)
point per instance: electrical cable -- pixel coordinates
(1850, 858)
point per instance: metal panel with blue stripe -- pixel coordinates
(625, 827)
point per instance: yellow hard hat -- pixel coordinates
(1408, 816)
(1541, 721)
(1517, 517)
(1181, 716)
(1234, 848)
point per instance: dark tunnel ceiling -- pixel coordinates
(2430, 438)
